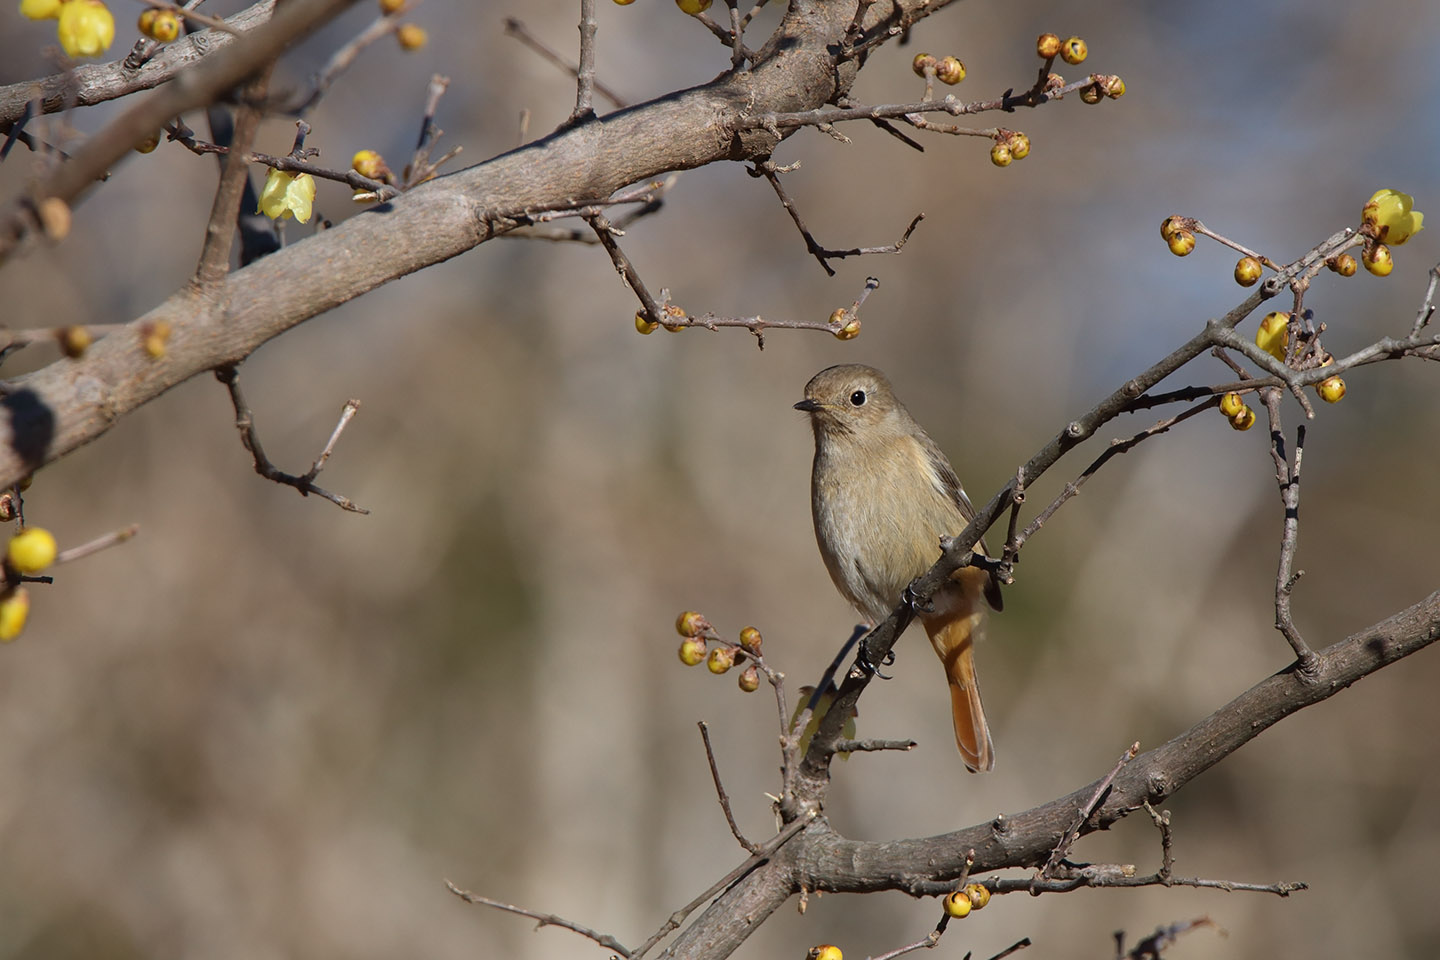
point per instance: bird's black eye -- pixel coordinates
(857, 399)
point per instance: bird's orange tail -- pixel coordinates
(954, 641)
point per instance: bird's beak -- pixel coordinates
(809, 406)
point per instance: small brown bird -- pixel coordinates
(882, 495)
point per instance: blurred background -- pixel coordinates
(269, 728)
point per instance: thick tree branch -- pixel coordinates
(821, 859)
(100, 82)
(54, 410)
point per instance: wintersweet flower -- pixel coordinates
(287, 195)
(1392, 214)
(86, 28)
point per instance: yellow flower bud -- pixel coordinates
(850, 331)
(958, 905)
(1231, 404)
(1091, 94)
(921, 61)
(675, 313)
(14, 609)
(86, 28)
(74, 341)
(40, 9)
(1248, 271)
(721, 659)
(287, 195)
(750, 679)
(369, 163)
(1344, 265)
(1019, 146)
(1047, 45)
(950, 70)
(1182, 242)
(31, 550)
(690, 624)
(388, 7)
(1169, 225)
(1378, 261)
(1273, 334)
(1331, 389)
(1391, 213)
(149, 143)
(1000, 155)
(692, 651)
(978, 893)
(164, 26)
(411, 36)
(750, 639)
(693, 7)
(825, 951)
(1243, 420)
(1074, 51)
(1114, 87)
(645, 325)
(147, 20)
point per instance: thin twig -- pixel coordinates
(1116, 447)
(720, 791)
(585, 72)
(767, 850)
(1287, 476)
(1068, 838)
(102, 542)
(340, 60)
(771, 173)
(1151, 946)
(250, 437)
(1167, 854)
(543, 919)
(517, 29)
(420, 168)
(214, 263)
(857, 746)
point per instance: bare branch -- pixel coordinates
(245, 423)
(720, 791)
(543, 919)
(517, 29)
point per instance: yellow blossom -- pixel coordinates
(287, 195)
(1392, 214)
(1274, 334)
(86, 28)
(40, 9)
(14, 608)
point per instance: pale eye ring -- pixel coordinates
(857, 399)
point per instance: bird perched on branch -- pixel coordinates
(882, 495)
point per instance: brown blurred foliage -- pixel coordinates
(269, 728)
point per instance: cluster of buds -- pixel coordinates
(159, 24)
(948, 70)
(1177, 235)
(1237, 411)
(973, 896)
(1102, 85)
(1010, 145)
(844, 324)
(29, 552)
(1389, 218)
(1049, 46)
(720, 658)
(85, 28)
(643, 324)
